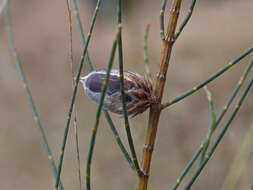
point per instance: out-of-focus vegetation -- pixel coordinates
(217, 32)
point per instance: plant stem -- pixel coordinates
(125, 113)
(36, 118)
(81, 33)
(98, 114)
(118, 140)
(91, 68)
(155, 110)
(240, 162)
(72, 86)
(146, 58)
(162, 10)
(210, 79)
(74, 93)
(187, 167)
(220, 117)
(219, 138)
(212, 124)
(186, 19)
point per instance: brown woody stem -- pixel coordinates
(155, 110)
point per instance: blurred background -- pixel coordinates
(217, 32)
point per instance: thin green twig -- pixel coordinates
(146, 59)
(221, 135)
(118, 140)
(77, 151)
(99, 110)
(27, 91)
(162, 10)
(221, 115)
(81, 33)
(240, 162)
(187, 168)
(186, 19)
(73, 83)
(90, 66)
(212, 125)
(183, 23)
(211, 78)
(235, 91)
(73, 97)
(125, 113)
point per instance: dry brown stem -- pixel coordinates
(155, 110)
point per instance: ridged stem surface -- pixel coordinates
(155, 110)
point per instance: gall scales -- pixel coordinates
(138, 91)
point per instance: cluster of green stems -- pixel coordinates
(206, 148)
